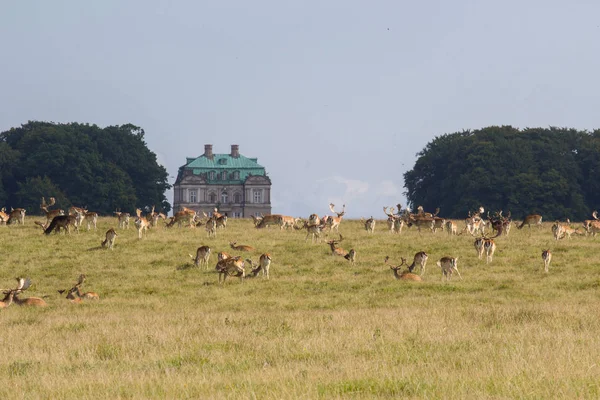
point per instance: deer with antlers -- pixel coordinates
(448, 265)
(109, 240)
(592, 226)
(403, 276)
(395, 222)
(337, 251)
(547, 257)
(334, 222)
(24, 284)
(50, 214)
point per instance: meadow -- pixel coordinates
(319, 328)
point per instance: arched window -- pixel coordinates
(212, 197)
(237, 198)
(224, 198)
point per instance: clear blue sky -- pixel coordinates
(334, 98)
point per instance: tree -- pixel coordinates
(82, 165)
(547, 171)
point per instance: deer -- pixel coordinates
(24, 284)
(395, 222)
(271, 219)
(338, 251)
(109, 241)
(222, 222)
(448, 266)
(211, 227)
(451, 228)
(336, 221)
(404, 276)
(92, 219)
(231, 267)
(370, 225)
(351, 256)
(256, 220)
(141, 223)
(50, 214)
(61, 221)
(202, 256)
(547, 257)
(420, 259)
(240, 247)
(16, 214)
(181, 217)
(564, 230)
(263, 265)
(592, 226)
(74, 294)
(123, 219)
(3, 216)
(313, 231)
(531, 219)
(313, 219)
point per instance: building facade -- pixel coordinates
(236, 185)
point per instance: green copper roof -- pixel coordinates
(223, 161)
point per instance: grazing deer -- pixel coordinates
(181, 217)
(271, 219)
(338, 251)
(123, 219)
(451, 228)
(351, 256)
(240, 247)
(231, 267)
(61, 221)
(547, 257)
(24, 284)
(256, 220)
(422, 222)
(336, 221)
(404, 276)
(448, 266)
(532, 219)
(50, 214)
(420, 259)
(16, 214)
(141, 223)
(370, 225)
(111, 235)
(202, 256)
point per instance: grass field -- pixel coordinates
(319, 328)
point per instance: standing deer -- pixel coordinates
(420, 259)
(335, 221)
(448, 266)
(547, 257)
(141, 223)
(451, 228)
(123, 219)
(531, 219)
(231, 267)
(263, 265)
(370, 225)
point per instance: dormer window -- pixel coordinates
(222, 161)
(224, 175)
(236, 175)
(211, 175)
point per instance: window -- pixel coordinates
(224, 175)
(224, 198)
(237, 198)
(211, 175)
(237, 214)
(257, 214)
(193, 196)
(258, 196)
(236, 175)
(212, 197)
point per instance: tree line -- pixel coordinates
(80, 164)
(549, 171)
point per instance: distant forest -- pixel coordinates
(82, 165)
(549, 171)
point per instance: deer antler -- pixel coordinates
(24, 284)
(595, 215)
(332, 207)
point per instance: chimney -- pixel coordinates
(208, 151)
(235, 151)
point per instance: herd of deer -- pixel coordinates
(315, 226)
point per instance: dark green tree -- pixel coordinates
(548, 171)
(82, 165)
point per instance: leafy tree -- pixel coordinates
(82, 165)
(550, 171)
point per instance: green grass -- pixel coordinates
(320, 328)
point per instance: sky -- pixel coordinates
(335, 98)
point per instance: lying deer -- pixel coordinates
(404, 276)
(240, 247)
(338, 251)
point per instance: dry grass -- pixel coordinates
(320, 328)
